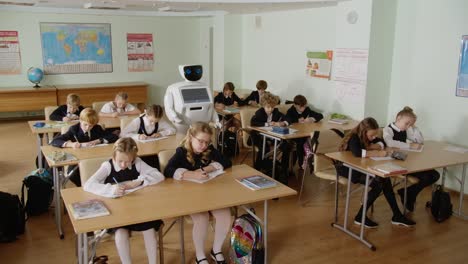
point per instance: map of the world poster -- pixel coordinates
(76, 48)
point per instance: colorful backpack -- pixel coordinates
(246, 241)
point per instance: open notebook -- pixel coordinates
(211, 176)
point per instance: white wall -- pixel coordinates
(276, 52)
(176, 41)
(233, 49)
(380, 59)
(425, 65)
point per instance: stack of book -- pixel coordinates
(389, 168)
(89, 209)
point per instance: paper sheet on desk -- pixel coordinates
(456, 149)
(415, 150)
(150, 139)
(94, 146)
(381, 158)
(211, 176)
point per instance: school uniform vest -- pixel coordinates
(142, 129)
(122, 175)
(398, 135)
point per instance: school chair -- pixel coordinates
(125, 121)
(283, 108)
(321, 143)
(98, 105)
(87, 169)
(47, 111)
(246, 114)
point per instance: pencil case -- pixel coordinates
(281, 130)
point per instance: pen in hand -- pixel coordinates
(118, 187)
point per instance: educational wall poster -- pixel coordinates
(350, 74)
(462, 82)
(140, 52)
(10, 58)
(319, 64)
(76, 48)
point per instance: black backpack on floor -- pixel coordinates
(39, 192)
(230, 139)
(12, 217)
(441, 207)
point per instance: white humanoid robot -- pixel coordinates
(189, 101)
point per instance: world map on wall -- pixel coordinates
(76, 48)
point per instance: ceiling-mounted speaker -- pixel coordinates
(258, 22)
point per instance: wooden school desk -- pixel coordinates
(433, 156)
(303, 130)
(144, 149)
(184, 198)
(56, 127)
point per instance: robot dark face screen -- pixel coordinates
(193, 73)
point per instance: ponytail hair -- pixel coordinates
(193, 131)
(407, 111)
(360, 130)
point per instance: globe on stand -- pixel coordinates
(35, 75)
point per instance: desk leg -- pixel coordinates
(274, 160)
(263, 147)
(222, 134)
(344, 228)
(82, 248)
(58, 198)
(336, 198)
(405, 196)
(459, 212)
(182, 242)
(265, 232)
(39, 152)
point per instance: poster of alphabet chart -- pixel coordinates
(10, 59)
(462, 82)
(140, 52)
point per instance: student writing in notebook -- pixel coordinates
(269, 115)
(404, 134)
(363, 142)
(194, 159)
(228, 98)
(119, 107)
(301, 113)
(86, 133)
(255, 97)
(147, 126)
(123, 172)
(69, 111)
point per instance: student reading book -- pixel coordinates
(194, 159)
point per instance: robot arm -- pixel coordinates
(169, 107)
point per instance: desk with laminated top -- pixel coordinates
(184, 197)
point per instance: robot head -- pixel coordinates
(191, 73)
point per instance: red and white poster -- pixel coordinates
(140, 52)
(10, 59)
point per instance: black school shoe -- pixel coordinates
(367, 222)
(213, 256)
(401, 220)
(409, 201)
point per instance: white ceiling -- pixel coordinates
(158, 7)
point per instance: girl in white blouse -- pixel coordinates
(148, 125)
(123, 172)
